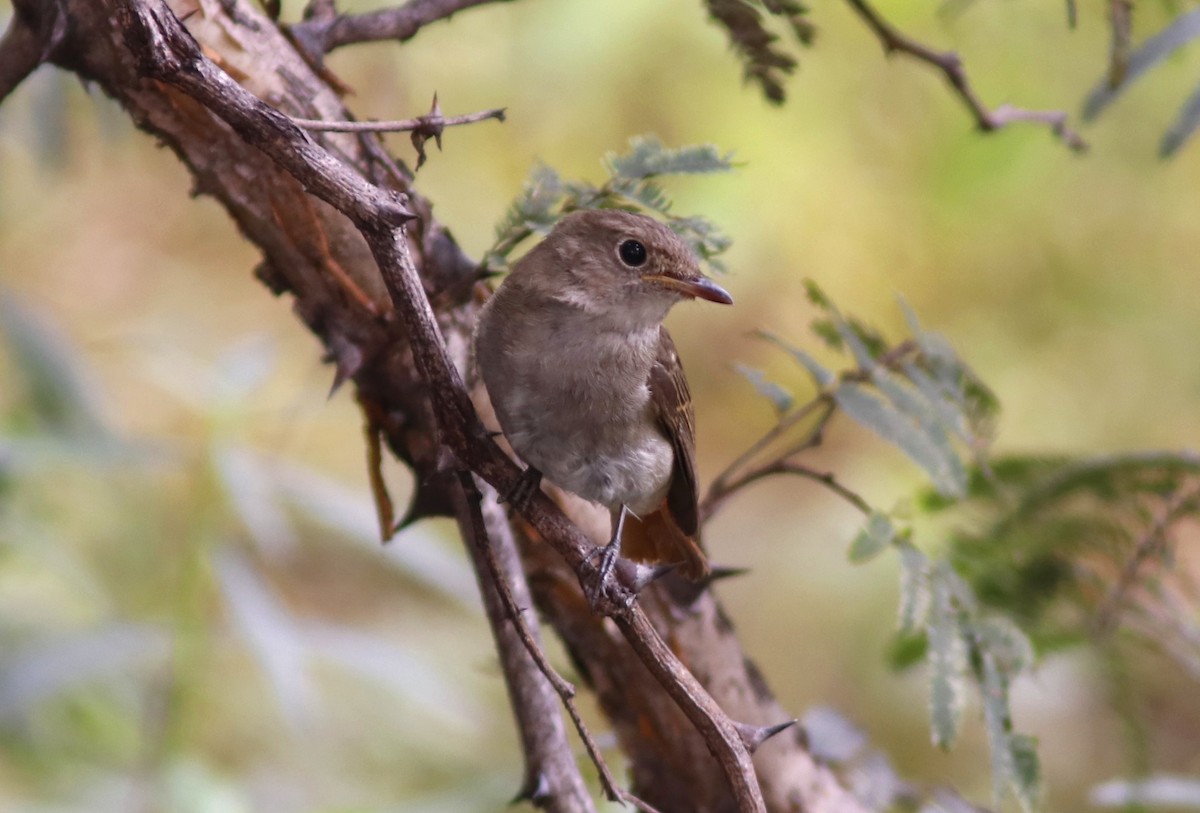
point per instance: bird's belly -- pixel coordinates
(626, 465)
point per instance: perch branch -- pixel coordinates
(166, 52)
(951, 66)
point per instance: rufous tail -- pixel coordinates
(656, 538)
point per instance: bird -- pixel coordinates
(587, 385)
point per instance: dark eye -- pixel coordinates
(632, 253)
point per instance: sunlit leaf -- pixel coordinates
(780, 398)
(351, 514)
(112, 652)
(58, 391)
(874, 537)
(1181, 30)
(945, 470)
(249, 485)
(1183, 127)
(948, 662)
(271, 634)
(914, 589)
(648, 158)
(1006, 642)
(927, 419)
(823, 376)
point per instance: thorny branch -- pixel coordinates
(484, 549)
(951, 66)
(403, 125)
(167, 53)
(552, 777)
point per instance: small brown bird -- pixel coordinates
(586, 382)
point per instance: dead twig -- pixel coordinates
(323, 32)
(552, 777)
(951, 66)
(402, 125)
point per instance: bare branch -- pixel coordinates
(951, 67)
(552, 778)
(322, 33)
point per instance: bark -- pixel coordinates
(316, 255)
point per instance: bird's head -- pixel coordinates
(609, 260)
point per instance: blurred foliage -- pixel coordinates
(920, 396)
(632, 184)
(1126, 66)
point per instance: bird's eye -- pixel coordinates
(632, 253)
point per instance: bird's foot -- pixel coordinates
(519, 496)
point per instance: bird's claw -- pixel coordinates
(519, 496)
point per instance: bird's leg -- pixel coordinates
(610, 552)
(522, 492)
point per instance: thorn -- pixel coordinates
(718, 572)
(753, 735)
(535, 788)
(646, 575)
(348, 360)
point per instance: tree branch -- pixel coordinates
(22, 49)
(168, 53)
(951, 67)
(552, 778)
(402, 125)
(323, 33)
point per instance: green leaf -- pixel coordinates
(876, 535)
(780, 398)
(998, 724)
(1007, 643)
(914, 589)
(762, 61)
(945, 470)
(816, 295)
(1182, 30)
(648, 158)
(56, 386)
(823, 376)
(1027, 770)
(1183, 127)
(948, 660)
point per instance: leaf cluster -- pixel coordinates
(919, 396)
(632, 184)
(764, 62)
(1127, 65)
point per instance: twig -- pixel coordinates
(321, 34)
(951, 67)
(716, 498)
(165, 51)
(1151, 543)
(403, 125)
(552, 775)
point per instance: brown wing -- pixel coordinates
(670, 396)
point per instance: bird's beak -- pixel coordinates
(698, 287)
